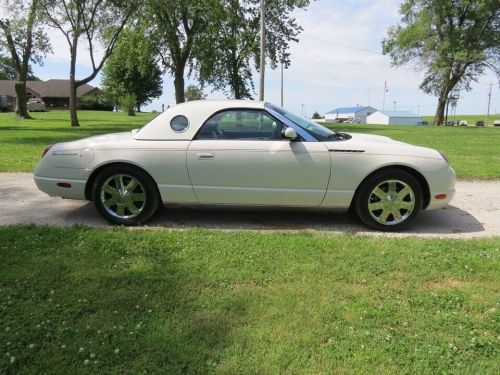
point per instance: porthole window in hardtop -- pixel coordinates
(179, 123)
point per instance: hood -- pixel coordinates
(381, 145)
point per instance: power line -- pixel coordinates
(342, 45)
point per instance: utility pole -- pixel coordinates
(302, 110)
(394, 105)
(282, 84)
(369, 92)
(262, 48)
(489, 102)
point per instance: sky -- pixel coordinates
(336, 63)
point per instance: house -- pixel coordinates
(394, 118)
(54, 92)
(349, 114)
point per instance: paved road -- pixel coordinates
(474, 212)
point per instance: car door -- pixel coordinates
(240, 157)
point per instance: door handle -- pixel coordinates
(204, 155)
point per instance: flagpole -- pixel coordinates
(383, 103)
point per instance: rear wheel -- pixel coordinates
(125, 195)
(389, 200)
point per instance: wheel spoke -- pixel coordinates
(379, 193)
(120, 210)
(119, 182)
(131, 185)
(396, 214)
(110, 190)
(375, 206)
(392, 187)
(406, 205)
(110, 202)
(384, 215)
(137, 197)
(132, 208)
(403, 193)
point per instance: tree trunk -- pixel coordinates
(21, 99)
(73, 102)
(179, 85)
(72, 84)
(439, 116)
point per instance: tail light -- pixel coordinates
(46, 150)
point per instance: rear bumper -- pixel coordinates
(49, 186)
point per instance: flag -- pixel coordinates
(385, 87)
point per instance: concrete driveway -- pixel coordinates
(474, 212)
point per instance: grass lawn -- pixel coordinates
(83, 300)
(473, 152)
(22, 141)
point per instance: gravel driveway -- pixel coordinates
(474, 212)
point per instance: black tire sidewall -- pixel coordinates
(152, 196)
(361, 200)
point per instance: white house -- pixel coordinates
(349, 114)
(393, 118)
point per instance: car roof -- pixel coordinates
(197, 112)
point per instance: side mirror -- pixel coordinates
(290, 134)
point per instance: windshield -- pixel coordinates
(320, 132)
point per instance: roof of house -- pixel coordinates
(53, 88)
(399, 114)
(344, 110)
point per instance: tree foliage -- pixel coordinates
(178, 27)
(8, 70)
(455, 41)
(194, 93)
(236, 32)
(22, 34)
(93, 22)
(133, 68)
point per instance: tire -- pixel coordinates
(125, 195)
(384, 194)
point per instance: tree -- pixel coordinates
(236, 32)
(178, 26)
(194, 93)
(455, 41)
(8, 71)
(316, 116)
(93, 21)
(26, 41)
(133, 68)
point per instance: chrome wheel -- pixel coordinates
(123, 196)
(391, 202)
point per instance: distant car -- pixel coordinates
(36, 105)
(246, 153)
(423, 123)
(7, 103)
(496, 123)
(463, 123)
(452, 123)
(480, 123)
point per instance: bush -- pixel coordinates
(127, 103)
(95, 103)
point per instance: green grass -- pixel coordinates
(201, 301)
(473, 152)
(22, 141)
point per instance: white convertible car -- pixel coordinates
(246, 153)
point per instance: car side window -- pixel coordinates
(241, 124)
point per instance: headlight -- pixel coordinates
(444, 157)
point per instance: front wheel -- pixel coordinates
(389, 200)
(125, 195)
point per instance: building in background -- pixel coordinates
(394, 118)
(54, 92)
(349, 114)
